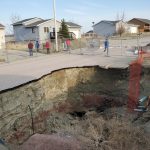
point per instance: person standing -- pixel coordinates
(106, 45)
(68, 43)
(30, 47)
(37, 46)
(48, 46)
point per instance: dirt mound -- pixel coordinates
(51, 142)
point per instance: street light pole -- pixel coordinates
(56, 38)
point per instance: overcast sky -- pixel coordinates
(83, 12)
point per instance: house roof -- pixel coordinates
(36, 23)
(2, 26)
(71, 24)
(142, 20)
(91, 31)
(22, 21)
(107, 21)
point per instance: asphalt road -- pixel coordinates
(23, 71)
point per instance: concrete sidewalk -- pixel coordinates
(21, 72)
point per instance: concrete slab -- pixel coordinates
(20, 72)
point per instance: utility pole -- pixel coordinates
(56, 38)
(93, 35)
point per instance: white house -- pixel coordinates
(133, 29)
(34, 29)
(109, 28)
(40, 29)
(75, 29)
(129, 28)
(2, 36)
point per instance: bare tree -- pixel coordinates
(13, 19)
(121, 27)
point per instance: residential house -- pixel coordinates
(40, 29)
(109, 28)
(90, 34)
(131, 28)
(74, 29)
(2, 36)
(144, 24)
(34, 29)
(128, 28)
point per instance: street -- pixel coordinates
(23, 71)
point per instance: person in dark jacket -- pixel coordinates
(30, 47)
(37, 46)
(106, 45)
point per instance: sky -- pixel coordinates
(82, 12)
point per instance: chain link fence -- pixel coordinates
(118, 46)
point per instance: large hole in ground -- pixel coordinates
(79, 108)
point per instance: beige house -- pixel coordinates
(143, 24)
(74, 29)
(2, 36)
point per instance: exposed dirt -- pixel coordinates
(81, 108)
(109, 130)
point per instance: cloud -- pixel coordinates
(74, 12)
(94, 5)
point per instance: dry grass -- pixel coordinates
(95, 133)
(2, 59)
(16, 46)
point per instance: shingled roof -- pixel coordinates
(143, 20)
(71, 24)
(36, 23)
(22, 21)
(107, 21)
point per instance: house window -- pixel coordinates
(33, 30)
(46, 29)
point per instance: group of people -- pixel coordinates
(67, 42)
(31, 46)
(37, 46)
